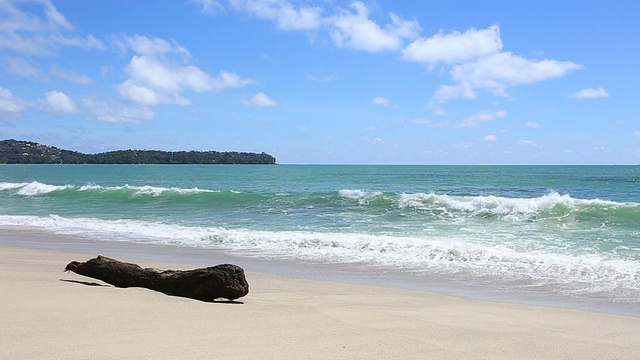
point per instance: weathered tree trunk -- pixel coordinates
(206, 284)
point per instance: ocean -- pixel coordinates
(551, 235)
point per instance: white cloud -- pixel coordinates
(357, 31)
(59, 102)
(636, 133)
(454, 47)
(116, 112)
(376, 140)
(36, 27)
(527, 143)
(463, 144)
(209, 7)
(153, 81)
(532, 124)
(477, 62)
(448, 92)
(227, 80)
(105, 70)
(282, 12)
(11, 104)
(20, 66)
(380, 101)
(490, 138)
(326, 78)
(506, 69)
(348, 28)
(156, 74)
(54, 16)
(69, 75)
(500, 71)
(260, 99)
(143, 45)
(429, 123)
(435, 108)
(140, 94)
(473, 120)
(590, 94)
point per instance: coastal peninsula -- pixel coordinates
(27, 152)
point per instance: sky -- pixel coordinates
(327, 81)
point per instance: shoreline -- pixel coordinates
(339, 273)
(49, 314)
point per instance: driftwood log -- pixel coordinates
(206, 284)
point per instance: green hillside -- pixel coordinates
(27, 152)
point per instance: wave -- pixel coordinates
(574, 271)
(36, 188)
(372, 203)
(32, 189)
(550, 205)
(359, 194)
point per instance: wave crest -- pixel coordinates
(552, 204)
(36, 188)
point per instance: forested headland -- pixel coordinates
(27, 152)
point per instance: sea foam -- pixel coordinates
(587, 273)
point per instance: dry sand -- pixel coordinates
(48, 314)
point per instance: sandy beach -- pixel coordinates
(48, 314)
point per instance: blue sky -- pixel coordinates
(327, 81)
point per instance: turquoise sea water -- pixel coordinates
(568, 231)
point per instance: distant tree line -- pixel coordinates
(26, 152)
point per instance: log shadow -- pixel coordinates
(215, 301)
(83, 282)
(87, 283)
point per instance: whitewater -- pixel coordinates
(570, 233)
